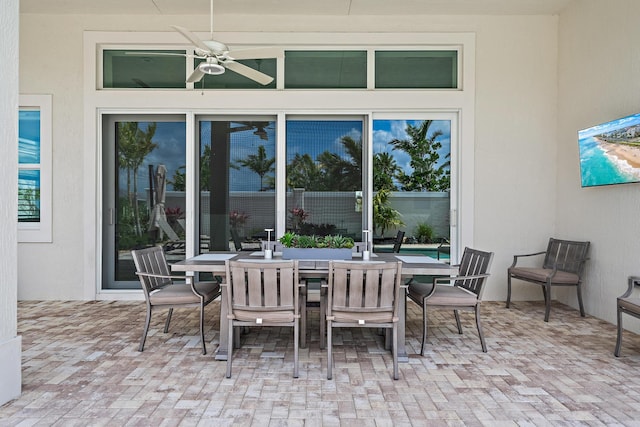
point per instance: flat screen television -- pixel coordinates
(610, 152)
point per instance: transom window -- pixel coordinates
(303, 69)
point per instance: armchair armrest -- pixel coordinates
(439, 280)
(633, 281)
(515, 257)
(160, 276)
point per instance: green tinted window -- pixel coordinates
(325, 69)
(138, 69)
(232, 80)
(417, 69)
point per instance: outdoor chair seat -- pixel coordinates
(542, 274)
(181, 293)
(443, 295)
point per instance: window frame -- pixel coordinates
(40, 232)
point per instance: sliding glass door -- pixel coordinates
(143, 192)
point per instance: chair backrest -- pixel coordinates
(364, 291)
(398, 243)
(151, 260)
(568, 255)
(237, 241)
(263, 290)
(474, 263)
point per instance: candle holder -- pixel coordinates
(268, 252)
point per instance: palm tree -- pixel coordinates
(385, 169)
(423, 150)
(302, 172)
(133, 147)
(259, 163)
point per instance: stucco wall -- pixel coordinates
(599, 70)
(515, 145)
(10, 373)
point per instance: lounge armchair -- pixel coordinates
(562, 266)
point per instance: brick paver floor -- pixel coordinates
(81, 367)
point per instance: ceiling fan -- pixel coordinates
(217, 57)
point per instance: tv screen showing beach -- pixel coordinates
(610, 152)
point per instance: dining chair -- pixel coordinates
(262, 294)
(363, 294)
(462, 292)
(161, 291)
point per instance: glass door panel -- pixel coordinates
(237, 199)
(324, 177)
(144, 192)
(411, 184)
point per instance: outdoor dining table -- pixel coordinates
(214, 262)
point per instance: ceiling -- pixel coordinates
(297, 7)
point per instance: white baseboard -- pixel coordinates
(10, 369)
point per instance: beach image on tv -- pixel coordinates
(610, 152)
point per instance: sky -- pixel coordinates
(621, 123)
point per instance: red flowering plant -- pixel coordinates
(237, 218)
(298, 217)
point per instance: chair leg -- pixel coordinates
(424, 326)
(166, 324)
(479, 325)
(296, 335)
(323, 318)
(204, 345)
(230, 348)
(579, 289)
(146, 328)
(508, 289)
(619, 339)
(395, 351)
(303, 318)
(329, 355)
(547, 295)
(457, 316)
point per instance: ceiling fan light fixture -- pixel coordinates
(211, 68)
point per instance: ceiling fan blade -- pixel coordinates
(196, 76)
(192, 38)
(145, 53)
(257, 53)
(248, 72)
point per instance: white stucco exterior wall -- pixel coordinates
(10, 343)
(599, 80)
(515, 147)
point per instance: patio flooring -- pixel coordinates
(81, 367)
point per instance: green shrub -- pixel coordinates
(425, 233)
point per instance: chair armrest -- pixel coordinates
(633, 281)
(439, 280)
(515, 257)
(160, 276)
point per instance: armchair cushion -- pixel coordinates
(181, 293)
(541, 275)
